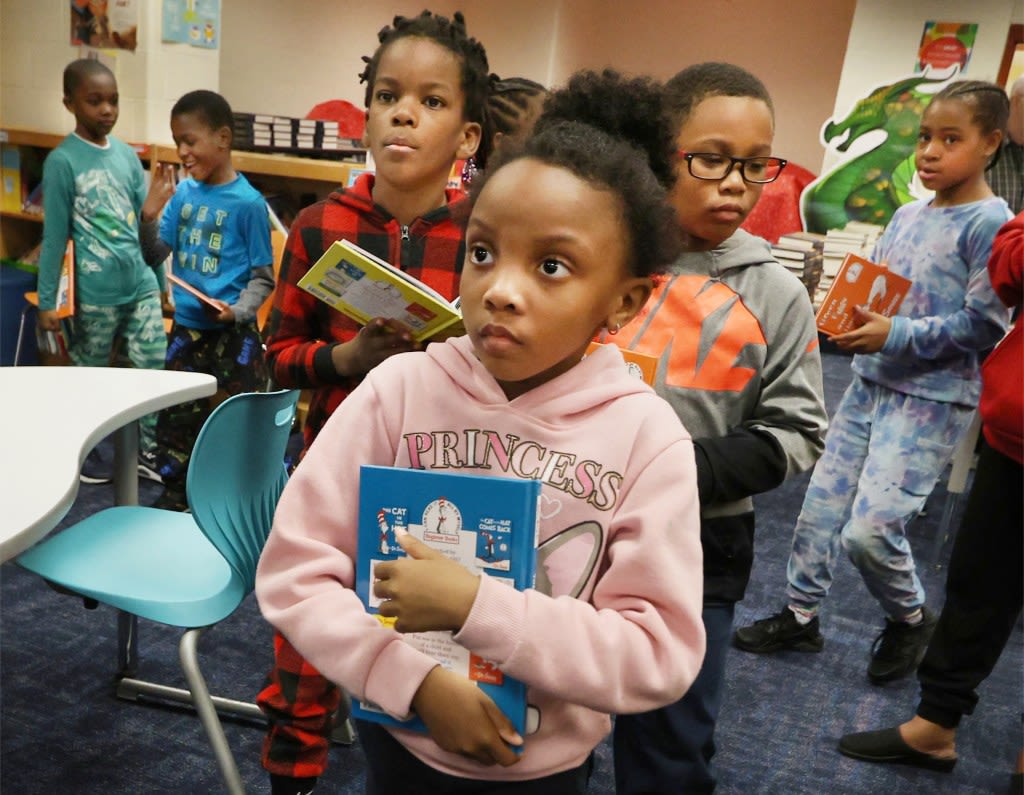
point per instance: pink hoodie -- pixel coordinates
(614, 624)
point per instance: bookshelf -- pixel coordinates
(271, 173)
(301, 179)
(334, 172)
(19, 230)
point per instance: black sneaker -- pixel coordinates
(171, 500)
(96, 469)
(149, 468)
(779, 632)
(285, 785)
(899, 648)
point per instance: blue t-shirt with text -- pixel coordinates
(217, 235)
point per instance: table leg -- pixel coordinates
(126, 464)
(126, 492)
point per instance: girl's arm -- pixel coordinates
(638, 643)
(976, 325)
(299, 355)
(297, 351)
(306, 574)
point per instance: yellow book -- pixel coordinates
(362, 286)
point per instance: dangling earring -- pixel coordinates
(613, 330)
(469, 170)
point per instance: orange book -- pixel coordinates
(860, 282)
(65, 304)
(203, 297)
(642, 365)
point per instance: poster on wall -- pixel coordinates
(945, 44)
(1011, 68)
(877, 139)
(195, 22)
(105, 24)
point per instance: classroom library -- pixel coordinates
(583, 398)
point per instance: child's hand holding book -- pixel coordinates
(49, 320)
(869, 335)
(424, 591)
(462, 719)
(375, 342)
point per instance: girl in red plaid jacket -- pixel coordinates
(425, 110)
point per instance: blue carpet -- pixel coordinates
(63, 731)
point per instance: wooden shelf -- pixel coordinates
(35, 217)
(18, 137)
(333, 171)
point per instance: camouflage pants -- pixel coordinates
(234, 356)
(140, 324)
(883, 455)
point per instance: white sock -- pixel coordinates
(803, 615)
(915, 618)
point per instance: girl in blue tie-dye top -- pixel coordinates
(914, 390)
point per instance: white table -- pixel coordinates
(50, 417)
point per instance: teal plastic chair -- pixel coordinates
(187, 570)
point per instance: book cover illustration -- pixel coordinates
(487, 524)
(640, 365)
(65, 301)
(362, 286)
(860, 282)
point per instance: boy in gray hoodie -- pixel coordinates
(735, 336)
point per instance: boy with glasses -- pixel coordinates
(738, 354)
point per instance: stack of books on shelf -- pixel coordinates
(857, 237)
(21, 173)
(800, 254)
(262, 132)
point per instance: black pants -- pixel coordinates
(234, 356)
(392, 770)
(983, 593)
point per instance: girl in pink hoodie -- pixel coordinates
(563, 241)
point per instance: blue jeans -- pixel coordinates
(668, 751)
(883, 455)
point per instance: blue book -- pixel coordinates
(486, 523)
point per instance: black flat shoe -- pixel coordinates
(886, 745)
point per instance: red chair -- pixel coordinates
(778, 211)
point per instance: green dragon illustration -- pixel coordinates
(871, 186)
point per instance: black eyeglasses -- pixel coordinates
(710, 165)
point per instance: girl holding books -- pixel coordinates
(563, 240)
(915, 387)
(426, 99)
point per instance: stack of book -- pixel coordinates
(262, 132)
(800, 254)
(857, 237)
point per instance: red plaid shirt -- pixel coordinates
(303, 329)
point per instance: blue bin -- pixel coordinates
(14, 283)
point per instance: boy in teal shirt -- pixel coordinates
(93, 194)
